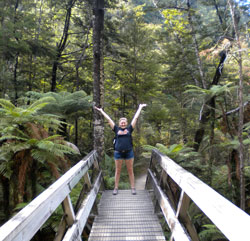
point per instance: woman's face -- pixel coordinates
(123, 123)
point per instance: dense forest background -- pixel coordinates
(188, 60)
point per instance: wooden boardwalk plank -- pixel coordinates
(126, 217)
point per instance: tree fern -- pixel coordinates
(64, 103)
(25, 140)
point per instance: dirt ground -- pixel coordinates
(140, 180)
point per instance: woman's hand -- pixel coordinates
(142, 105)
(99, 109)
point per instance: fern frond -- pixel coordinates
(36, 108)
(196, 89)
(20, 206)
(45, 145)
(37, 105)
(148, 147)
(65, 149)
(14, 131)
(19, 147)
(7, 104)
(162, 148)
(12, 137)
(42, 156)
(246, 141)
(210, 233)
(54, 137)
(5, 169)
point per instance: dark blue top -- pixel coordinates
(123, 139)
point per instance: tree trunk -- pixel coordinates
(209, 105)
(76, 131)
(78, 65)
(217, 11)
(16, 58)
(33, 177)
(15, 79)
(6, 197)
(62, 44)
(234, 176)
(196, 46)
(81, 58)
(241, 109)
(98, 86)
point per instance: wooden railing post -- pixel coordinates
(67, 220)
(87, 181)
(69, 211)
(183, 216)
(165, 186)
(147, 184)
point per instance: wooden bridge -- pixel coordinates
(169, 190)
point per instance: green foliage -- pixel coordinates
(25, 141)
(132, 73)
(64, 104)
(177, 152)
(215, 90)
(149, 57)
(108, 167)
(175, 20)
(210, 233)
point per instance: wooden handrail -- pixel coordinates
(83, 213)
(233, 222)
(27, 222)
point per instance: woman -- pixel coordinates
(123, 146)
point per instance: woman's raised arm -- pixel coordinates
(110, 121)
(133, 123)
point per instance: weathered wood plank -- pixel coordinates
(178, 232)
(25, 224)
(69, 211)
(231, 220)
(75, 231)
(87, 180)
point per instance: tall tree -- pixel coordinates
(17, 54)
(196, 47)
(98, 75)
(62, 44)
(241, 106)
(209, 107)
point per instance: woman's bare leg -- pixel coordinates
(118, 168)
(129, 164)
